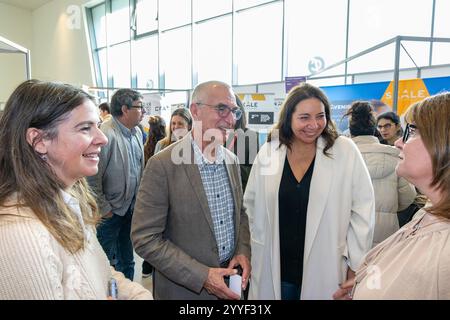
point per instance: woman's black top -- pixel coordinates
(293, 199)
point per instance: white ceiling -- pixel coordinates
(26, 4)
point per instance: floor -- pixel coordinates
(146, 282)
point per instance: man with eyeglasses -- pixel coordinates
(117, 181)
(189, 221)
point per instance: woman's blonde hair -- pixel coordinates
(25, 172)
(431, 116)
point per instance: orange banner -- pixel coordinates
(409, 91)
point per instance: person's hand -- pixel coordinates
(108, 215)
(345, 290)
(241, 260)
(215, 283)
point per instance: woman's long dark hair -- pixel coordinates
(156, 132)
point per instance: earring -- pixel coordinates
(43, 156)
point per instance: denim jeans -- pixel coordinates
(114, 236)
(289, 291)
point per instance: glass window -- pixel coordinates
(382, 20)
(212, 50)
(174, 98)
(415, 50)
(384, 58)
(441, 51)
(241, 4)
(314, 41)
(119, 22)
(175, 58)
(380, 59)
(258, 34)
(102, 68)
(119, 65)
(145, 62)
(375, 21)
(174, 13)
(99, 19)
(146, 16)
(442, 19)
(203, 9)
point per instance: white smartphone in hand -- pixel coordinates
(236, 284)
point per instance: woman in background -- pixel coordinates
(180, 125)
(414, 263)
(388, 124)
(156, 132)
(105, 111)
(50, 141)
(244, 143)
(392, 193)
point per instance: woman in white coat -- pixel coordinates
(310, 203)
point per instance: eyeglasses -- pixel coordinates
(223, 110)
(139, 107)
(410, 131)
(386, 126)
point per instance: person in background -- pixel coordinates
(392, 193)
(189, 222)
(50, 141)
(414, 263)
(244, 143)
(119, 174)
(156, 132)
(310, 204)
(390, 129)
(180, 125)
(105, 111)
(388, 124)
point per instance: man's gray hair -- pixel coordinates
(200, 89)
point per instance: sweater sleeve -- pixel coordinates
(129, 290)
(30, 267)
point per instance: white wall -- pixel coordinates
(15, 25)
(57, 40)
(60, 51)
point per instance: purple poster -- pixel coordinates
(292, 82)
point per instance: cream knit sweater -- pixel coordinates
(33, 265)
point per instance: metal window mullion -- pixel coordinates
(131, 16)
(234, 67)
(346, 41)
(161, 74)
(109, 78)
(433, 13)
(194, 76)
(283, 51)
(94, 48)
(396, 73)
